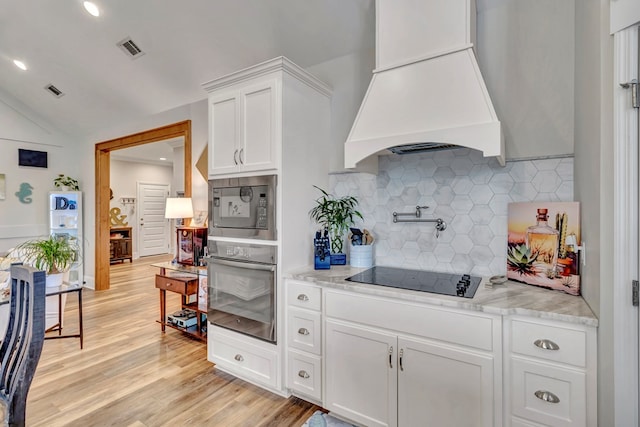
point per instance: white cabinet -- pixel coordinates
(253, 360)
(551, 373)
(65, 222)
(243, 127)
(304, 332)
(414, 365)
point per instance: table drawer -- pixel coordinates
(302, 295)
(305, 375)
(304, 330)
(549, 341)
(547, 394)
(181, 285)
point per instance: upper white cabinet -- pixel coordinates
(249, 115)
(243, 129)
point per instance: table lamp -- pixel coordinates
(178, 208)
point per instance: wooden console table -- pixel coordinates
(191, 283)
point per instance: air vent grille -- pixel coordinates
(54, 91)
(130, 48)
(421, 147)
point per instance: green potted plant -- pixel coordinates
(336, 215)
(54, 254)
(66, 183)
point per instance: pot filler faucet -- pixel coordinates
(416, 217)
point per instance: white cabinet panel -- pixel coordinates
(305, 374)
(443, 386)
(361, 376)
(257, 152)
(547, 394)
(304, 330)
(549, 342)
(223, 129)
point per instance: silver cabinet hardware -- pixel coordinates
(390, 354)
(633, 85)
(239, 358)
(547, 396)
(546, 344)
(240, 156)
(303, 331)
(401, 354)
(235, 156)
(303, 297)
(303, 374)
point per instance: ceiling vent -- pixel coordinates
(54, 91)
(130, 48)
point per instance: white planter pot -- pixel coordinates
(54, 280)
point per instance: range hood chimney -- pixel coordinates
(427, 91)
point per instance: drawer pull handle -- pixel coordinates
(303, 331)
(547, 396)
(390, 354)
(303, 297)
(303, 374)
(239, 358)
(401, 356)
(546, 345)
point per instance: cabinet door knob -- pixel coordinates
(547, 396)
(235, 157)
(303, 374)
(239, 357)
(546, 344)
(303, 331)
(303, 297)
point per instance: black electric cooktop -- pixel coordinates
(462, 285)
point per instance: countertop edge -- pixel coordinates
(510, 299)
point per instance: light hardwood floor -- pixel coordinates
(131, 374)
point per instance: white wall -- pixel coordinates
(21, 128)
(526, 54)
(594, 180)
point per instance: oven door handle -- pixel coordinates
(240, 264)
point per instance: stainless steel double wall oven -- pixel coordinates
(241, 269)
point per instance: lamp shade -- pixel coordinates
(178, 207)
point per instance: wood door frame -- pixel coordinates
(103, 164)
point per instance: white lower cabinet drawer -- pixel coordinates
(248, 361)
(304, 330)
(517, 422)
(548, 394)
(305, 374)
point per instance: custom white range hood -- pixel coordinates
(427, 87)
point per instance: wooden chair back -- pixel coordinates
(22, 343)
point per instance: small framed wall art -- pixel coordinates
(543, 247)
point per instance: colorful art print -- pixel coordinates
(537, 249)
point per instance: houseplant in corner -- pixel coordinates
(335, 215)
(66, 183)
(53, 254)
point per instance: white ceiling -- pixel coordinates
(186, 43)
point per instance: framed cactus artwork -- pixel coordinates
(543, 246)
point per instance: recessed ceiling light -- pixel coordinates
(163, 158)
(20, 64)
(91, 8)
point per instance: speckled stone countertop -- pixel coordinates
(510, 298)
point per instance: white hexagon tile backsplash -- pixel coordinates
(469, 192)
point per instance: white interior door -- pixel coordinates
(153, 228)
